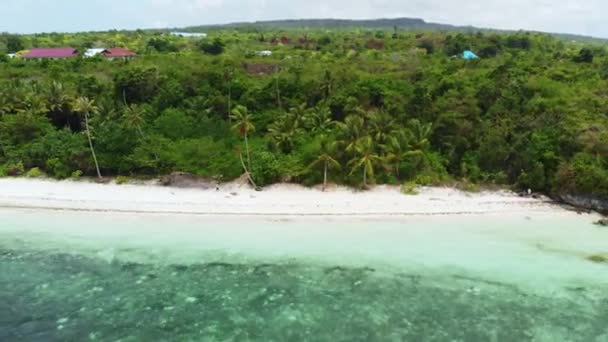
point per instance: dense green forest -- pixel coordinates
(357, 106)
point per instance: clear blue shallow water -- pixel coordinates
(79, 276)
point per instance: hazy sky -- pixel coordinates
(570, 16)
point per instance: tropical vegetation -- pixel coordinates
(353, 107)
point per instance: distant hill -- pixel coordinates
(412, 24)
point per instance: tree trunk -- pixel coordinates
(86, 122)
(365, 176)
(247, 150)
(247, 172)
(325, 177)
(230, 101)
(276, 84)
(143, 137)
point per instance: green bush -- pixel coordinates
(76, 174)
(122, 180)
(15, 169)
(265, 168)
(409, 188)
(58, 168)
(34, 173)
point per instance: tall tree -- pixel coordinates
(325, 158)
(398, 148)
(242, 125)
(352, 129)
(366, 159)
(87, 107)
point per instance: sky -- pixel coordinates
(562, 16)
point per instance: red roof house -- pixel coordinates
(51, 53)
(118, 53)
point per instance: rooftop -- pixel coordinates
(51, 53)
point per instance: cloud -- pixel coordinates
(582, 17)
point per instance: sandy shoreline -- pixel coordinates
(278, 200)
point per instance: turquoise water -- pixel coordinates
(107, 277)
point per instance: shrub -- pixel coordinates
(15, 169)
(409, 188)
(122, 180)
(58, 168)
(34, 173)
(76, 174)
(265, 168)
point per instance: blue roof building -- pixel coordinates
(468, 54)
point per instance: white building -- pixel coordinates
(189, 34)
(264, 53)
(94, 52)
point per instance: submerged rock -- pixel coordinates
(602, 222)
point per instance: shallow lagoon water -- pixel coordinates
(96, 276)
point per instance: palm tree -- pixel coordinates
(283, 131)
(6, 106)
(366, 158)
(422, 134)
(134, 118)
(85, 106)
(398, 148)
(278, 90)
(352, 129)
(299, 112)
(326, 159)
(327, 85)
(381, 125)
(243, 125)
(319, 120)
(56, 96)
(421, 137)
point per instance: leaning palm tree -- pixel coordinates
(326, 159)
(86, 107)
(242, 125)
(366, 159)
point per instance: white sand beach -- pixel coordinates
(278, 200)
(492, 235)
